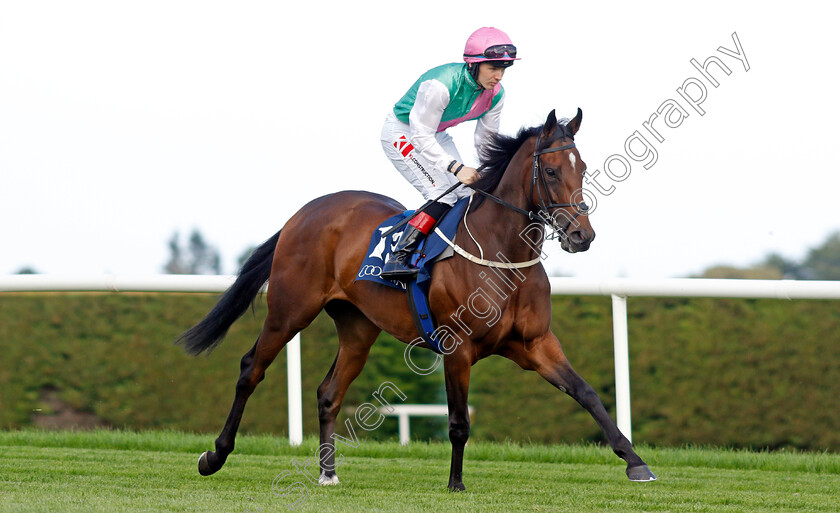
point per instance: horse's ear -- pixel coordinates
(575, 123)
(550, 123)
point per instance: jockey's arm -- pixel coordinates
(488, 124)
(424, 119)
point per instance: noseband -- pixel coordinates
(538, 180)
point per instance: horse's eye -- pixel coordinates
(550, 171)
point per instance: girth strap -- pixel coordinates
(422, 316)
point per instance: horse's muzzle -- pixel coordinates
(577, 240)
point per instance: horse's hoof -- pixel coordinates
(204, 467)
(640, 474)
(325, 480)
(457, 487)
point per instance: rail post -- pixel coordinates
(295, 393)
(622, 365)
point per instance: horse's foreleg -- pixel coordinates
(252, 371)
(547, 358)
(457, 371)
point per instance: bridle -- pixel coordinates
(538, 179)
(539, 182)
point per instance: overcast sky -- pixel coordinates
(122, 122)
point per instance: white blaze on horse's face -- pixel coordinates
(572, 159)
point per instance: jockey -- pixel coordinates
(415, 140)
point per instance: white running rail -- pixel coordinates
(618, 289)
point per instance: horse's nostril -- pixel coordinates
(577, 237)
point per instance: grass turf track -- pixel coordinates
(116, 471)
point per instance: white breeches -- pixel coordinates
(419, 172)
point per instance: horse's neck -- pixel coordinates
(498, 229)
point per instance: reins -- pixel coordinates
(480, 261)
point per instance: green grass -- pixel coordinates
(114, 471)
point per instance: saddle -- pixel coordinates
(432, 250)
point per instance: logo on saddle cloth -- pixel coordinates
(431, 251)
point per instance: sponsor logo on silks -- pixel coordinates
(406, 148)
(403, 146)
(425, 173)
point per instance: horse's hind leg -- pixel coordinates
(273, 338)
(547, 358)
(356, 335)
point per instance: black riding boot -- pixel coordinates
(398, 266)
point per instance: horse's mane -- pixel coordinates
(494, 156)
(497, 152)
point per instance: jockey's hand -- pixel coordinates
(468, 175)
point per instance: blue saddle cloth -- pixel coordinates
(432, 247)
(380, 249)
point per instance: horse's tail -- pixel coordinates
(210, 331)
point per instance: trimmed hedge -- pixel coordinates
(739, 373)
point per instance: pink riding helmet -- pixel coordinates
(489, 44)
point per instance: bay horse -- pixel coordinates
(311, 264)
